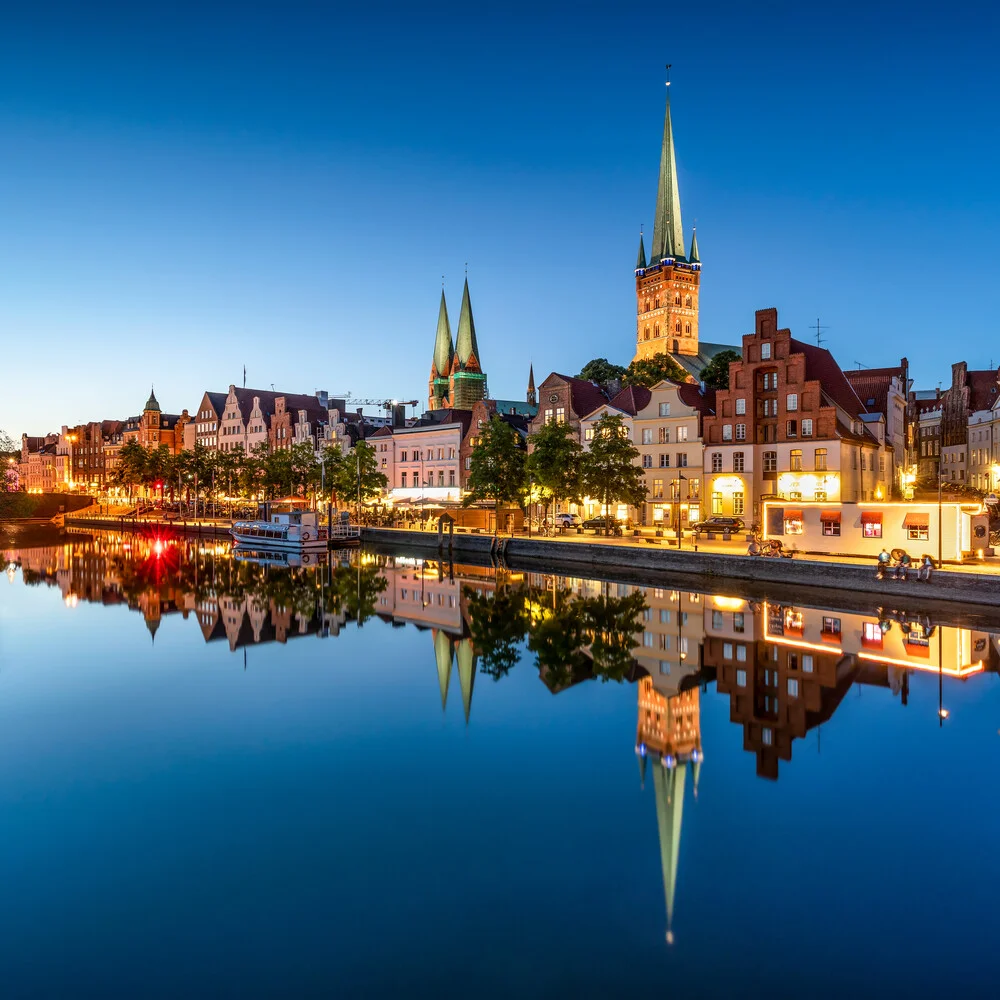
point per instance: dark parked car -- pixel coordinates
(603, 523)
(719, 524)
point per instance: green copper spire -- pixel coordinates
(151, 403)
(641, 259)
(668, 785)
(443, 656)
(443, 350)
(693, 255)
(465, 343)
(668, 233)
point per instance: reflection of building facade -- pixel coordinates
(672, 633)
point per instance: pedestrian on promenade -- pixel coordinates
(926, 568)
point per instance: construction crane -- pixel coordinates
(385, 404)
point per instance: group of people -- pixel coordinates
(900, 564)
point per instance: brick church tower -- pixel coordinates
(457, 380)
(667, 285)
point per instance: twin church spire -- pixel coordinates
(457, 378)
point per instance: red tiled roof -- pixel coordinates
(690, 394)
(873, 384)
(382, 432)
(821, 367)
(631, 399)
(982, 389)
(585, 396)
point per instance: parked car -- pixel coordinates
(719, 524)
(603, 522)
(564, 520)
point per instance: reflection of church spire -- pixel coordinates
(668, 783)
(466, 673)
(443, 656)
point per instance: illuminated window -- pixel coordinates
(738, 507)
(738, 620)
(658, 489)
(917, 532)
(682, 434)
(795, 460)
(820, 458)
(716, 503)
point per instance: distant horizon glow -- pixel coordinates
(192, 193)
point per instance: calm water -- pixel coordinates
(382, 776)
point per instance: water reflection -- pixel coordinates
(785, 669)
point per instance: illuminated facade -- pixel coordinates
(791, 426)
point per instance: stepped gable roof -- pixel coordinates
(169, 420)
(821, 367)
(631, 399)
(872, 386)
(585, 396)
(691, 395)
(982, 389)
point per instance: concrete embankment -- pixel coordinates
(632, 562)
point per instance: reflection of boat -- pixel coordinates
(277, 557)
(295, 531)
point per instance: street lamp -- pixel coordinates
(677, 499)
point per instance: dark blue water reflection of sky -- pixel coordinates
(172, 824)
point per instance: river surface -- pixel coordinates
(384, 776)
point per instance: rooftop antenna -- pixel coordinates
(819, 332)
(244, 376)
(860, 365)
(272, 387)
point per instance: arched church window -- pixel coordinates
(677, 327)
(656, 303)
(687, 300)
(687, 328)
(656, 330)
(677, 299)
(647, 333)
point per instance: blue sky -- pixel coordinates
(188, 189)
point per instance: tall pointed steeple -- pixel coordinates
(443, 347)
(640, 261)
(465, 343)
(532, 397)
(668, 233)
(693, 257)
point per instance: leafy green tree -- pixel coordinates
(554, 462)
(133, 461)
(609, 467)
(649, 371)
(356, 477)
(557, 636)
(305, 468)
(497, 623)
(158, 466)
(497, 471)
(715, 374)
(601, 371)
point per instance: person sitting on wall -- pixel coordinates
(883, 564)
(926, 568)
(901, 567)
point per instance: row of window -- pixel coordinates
(428, 455)
(663, 434)
(682, 461)
(677, 329)
(677, 301)
(404, 479)
(692, 489)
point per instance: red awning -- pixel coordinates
(871, 517)
(793, 514)
(830, 515)
(917, 521)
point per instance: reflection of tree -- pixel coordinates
(612, 623)
(355, 590)
(498, 623)
(557, 637)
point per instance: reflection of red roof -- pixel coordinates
(821, 367)
(872, 386)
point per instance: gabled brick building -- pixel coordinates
(790, 425)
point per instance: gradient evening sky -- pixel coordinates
(188, 188)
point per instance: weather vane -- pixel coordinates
(668, 73)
